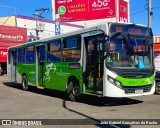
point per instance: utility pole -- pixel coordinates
(150, 13)
(37, 17)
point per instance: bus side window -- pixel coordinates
(21, 55)
(30, 54)
(71, 48)
(54, 51)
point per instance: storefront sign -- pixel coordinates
(10, 36)
(13, 34)
(3, 55)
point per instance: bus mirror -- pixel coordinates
(106, 45)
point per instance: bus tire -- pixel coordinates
(24, 83)
(73, 91)
(157, 90)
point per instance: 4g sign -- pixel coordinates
(100, 3)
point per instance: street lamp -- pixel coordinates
(15, 12)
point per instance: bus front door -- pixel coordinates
(93, 77)
(40, 61)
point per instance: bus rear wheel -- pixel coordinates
(24, 83)
(157, 91)
(73, 91)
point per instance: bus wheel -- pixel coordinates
(73, 91)
(157, 91)
(24, 83)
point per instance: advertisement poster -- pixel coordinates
(123, 11)
(78, 10)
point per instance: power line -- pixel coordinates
(42, 10)
(143, 11)
(137, 12)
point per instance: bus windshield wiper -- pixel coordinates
(116, 34)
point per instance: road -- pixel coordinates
(47, 104)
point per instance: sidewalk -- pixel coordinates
(3, 78)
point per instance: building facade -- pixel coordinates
(157, 39)
(45, 28)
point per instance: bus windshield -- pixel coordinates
(130, 52)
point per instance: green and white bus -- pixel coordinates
(108, 60)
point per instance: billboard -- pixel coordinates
(123, 11)
(80, 10)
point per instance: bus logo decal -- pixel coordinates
(49, 67)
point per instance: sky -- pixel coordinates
(138, 10)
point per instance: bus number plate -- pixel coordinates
(139, 91)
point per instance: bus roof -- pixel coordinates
(41, 42)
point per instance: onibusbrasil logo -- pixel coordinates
(62, 10)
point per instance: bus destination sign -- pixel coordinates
(131, 29)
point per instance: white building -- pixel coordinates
(46, 28)
(157, 39)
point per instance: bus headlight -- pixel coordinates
(114, 82)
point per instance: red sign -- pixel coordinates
(156, 47)
(77, 10)
(3, 55)
(13, 34)
(10, 36)
(123, 11)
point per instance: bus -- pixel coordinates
(107, 60)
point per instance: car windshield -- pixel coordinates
(127, 52)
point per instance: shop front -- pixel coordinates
(9, 36)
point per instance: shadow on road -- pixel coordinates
(107, 101)
(93, 121)
(86, 99)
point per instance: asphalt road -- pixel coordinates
(38, 104)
